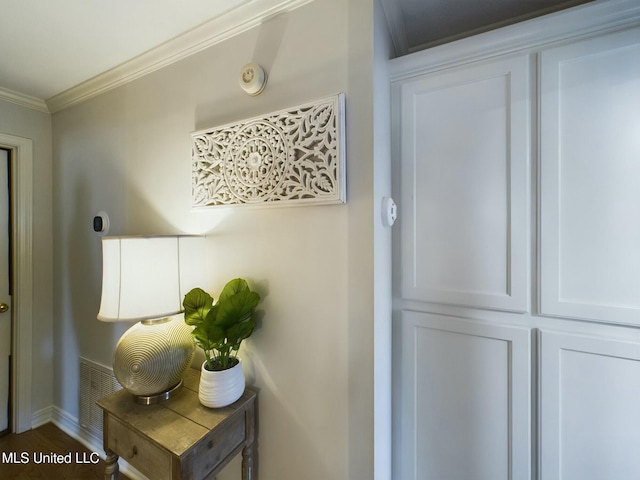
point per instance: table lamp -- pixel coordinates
(144, 279)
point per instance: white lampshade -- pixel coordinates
(147, 277)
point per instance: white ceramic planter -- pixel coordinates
(219, 389)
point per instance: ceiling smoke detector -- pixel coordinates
(253, 78)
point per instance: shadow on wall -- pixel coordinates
(78, 331)
(242, 106)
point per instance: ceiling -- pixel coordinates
(57, 52)
(419, 24)
(54, 53)
(49, 47)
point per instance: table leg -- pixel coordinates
(247, 463)
(248, 452)
(112, 472)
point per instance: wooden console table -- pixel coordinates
(178, 438)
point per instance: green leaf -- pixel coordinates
(240, 331)
(197, 303)
(237, 308)
(208, 336)
(233, 287)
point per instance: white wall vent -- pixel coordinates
(96, 381)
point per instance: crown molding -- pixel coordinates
(393, 14)
(23, 100)
(240, 19)
(577, 22)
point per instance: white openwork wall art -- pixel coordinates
(294, 156)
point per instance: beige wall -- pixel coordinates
(128, 152)
(27, 123)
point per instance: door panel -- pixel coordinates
(465, 400)
(5, 318)
(464, 186)
(589, 409)
(590, 178)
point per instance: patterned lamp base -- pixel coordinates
(152, 356)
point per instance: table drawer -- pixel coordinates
(215, 447)
(144, 455)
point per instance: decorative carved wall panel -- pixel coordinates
(293, 156)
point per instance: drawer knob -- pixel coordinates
(134, 452)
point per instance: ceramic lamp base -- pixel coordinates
(152, 356)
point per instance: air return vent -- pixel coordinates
(96, 381)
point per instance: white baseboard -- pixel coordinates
(41, 417)
(71, 426)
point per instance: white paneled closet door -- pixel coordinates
(463, 386)
(465, 394)
(464, 174)
(590, 179)
(590, 408)
(472, 398)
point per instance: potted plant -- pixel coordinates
(219, 328)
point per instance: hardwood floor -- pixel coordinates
(48, 453)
